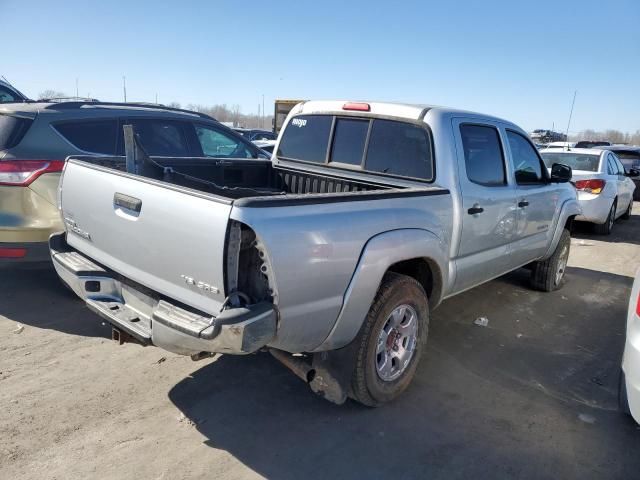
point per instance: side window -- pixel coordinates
(526, 162)
(399, 148)
(483, 157)
(349, 138)
(91, 136)
(306, 137)
(621, 170)
(612, 168)
(263, 136)
(162, 138)
(7, 96)
(215, 143)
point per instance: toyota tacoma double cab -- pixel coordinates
(331, 256)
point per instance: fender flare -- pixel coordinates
(378, 254)
(569, 208)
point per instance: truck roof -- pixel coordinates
(390, 109)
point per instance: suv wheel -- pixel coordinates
(548, 275)
(391, 341)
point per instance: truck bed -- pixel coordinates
(237, 179)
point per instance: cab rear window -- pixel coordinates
(306, 138)
(12, 130)
(374, 145)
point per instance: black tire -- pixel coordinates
(607, 226)
(544, 274)
(623, 400)
(367, 387)
(627, 214)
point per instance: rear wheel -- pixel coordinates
(548, 275)
(391, 341)
(607, 226)
(627, 214)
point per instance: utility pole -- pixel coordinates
(259, 116)
(77, 94)
(262, 119)
(156, 98)
(124, 88)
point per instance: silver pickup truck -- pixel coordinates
(332, 255)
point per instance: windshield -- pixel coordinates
(577, 161)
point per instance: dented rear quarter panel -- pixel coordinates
(314, 251)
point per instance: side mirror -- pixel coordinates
(633, 172)
(560, 173)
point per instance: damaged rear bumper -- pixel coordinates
(152, 319)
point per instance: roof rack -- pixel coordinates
(68, 99)
(75, 103)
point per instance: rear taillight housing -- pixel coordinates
(21, 173)
(594, 186)
(638, 306)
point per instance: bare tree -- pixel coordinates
(51, 94)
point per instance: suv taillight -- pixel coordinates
(638, 306)
(22, 172)
(594, 186)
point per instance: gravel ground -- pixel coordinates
(532, 395)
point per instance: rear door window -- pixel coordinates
(306, 138)
(97, 136)
(215, 143)
(12, 130)
(483, 157)
(162, 138)
(349, 139)
(399, 148)
(621, 170)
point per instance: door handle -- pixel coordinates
(523, 204)
(125, 201)
(475, 210)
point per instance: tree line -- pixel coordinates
(613, 136)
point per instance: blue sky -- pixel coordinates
(518, 60)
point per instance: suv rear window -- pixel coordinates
(393, 148)
(12, 129)
(91, 136)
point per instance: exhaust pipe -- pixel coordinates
(321, 378)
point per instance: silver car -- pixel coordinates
(605, 189)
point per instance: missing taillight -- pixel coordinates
(248, 269)
(22, 173)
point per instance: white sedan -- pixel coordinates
(629, 396)
(605, 191)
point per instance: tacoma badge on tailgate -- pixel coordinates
(201, 285)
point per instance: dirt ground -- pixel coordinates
(532, 395)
